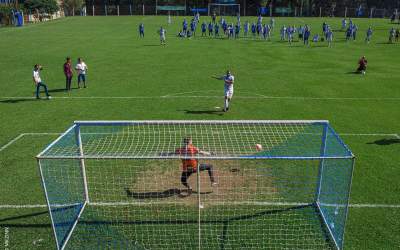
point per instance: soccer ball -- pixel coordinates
(258, 147)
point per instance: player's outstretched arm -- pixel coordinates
(218, 77)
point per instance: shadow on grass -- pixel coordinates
(161, 194)
(151, 195)
(203, 112)
(385, 142)
(18, 100)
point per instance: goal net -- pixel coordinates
(260, 184)
(227, 9)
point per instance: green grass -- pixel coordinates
(121, 65)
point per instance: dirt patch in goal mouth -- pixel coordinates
(234, 184)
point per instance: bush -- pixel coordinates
(42, 6)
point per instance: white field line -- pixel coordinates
(22, 135)
(117, 204)
(171, 96)
(11, 142)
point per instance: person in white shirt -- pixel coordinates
(38, 81)
(81, 68)
(228, 88)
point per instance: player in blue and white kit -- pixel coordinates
(329, 37)
(354, 31)
(141, 30)
(253, 30)
(237, 30)
(283, 33)
(369, 35)
(216, 28)
(344, 24)
(259, 29)
(203, 29)
(162, 33)
(184, 25)
(246, 28)
(272, 23)
(210, 29)
(193, 27)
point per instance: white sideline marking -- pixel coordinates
(172, 96)
(113, 204)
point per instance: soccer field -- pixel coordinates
(137, 79)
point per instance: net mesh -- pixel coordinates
(136, 199)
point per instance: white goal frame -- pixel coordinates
(324, 136)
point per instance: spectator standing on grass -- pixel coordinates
(81, 68)
(68, 74)
(38, 81)
(141, 30)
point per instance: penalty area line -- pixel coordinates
(8, 144)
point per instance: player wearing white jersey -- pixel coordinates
(162, 32)
(228, 88)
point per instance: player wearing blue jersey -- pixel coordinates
(369, 35)
(141, 30)
(203, 29)
(216, 28)
(184, 25)
(246, 27)
(210, 29)
(253, 30)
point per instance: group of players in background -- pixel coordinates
(260, 30)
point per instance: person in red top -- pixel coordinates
(68, 74)
(362, 65)
(190, 165)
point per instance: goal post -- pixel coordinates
(120, 185)
(224, 9)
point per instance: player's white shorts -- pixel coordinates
(229, 91)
